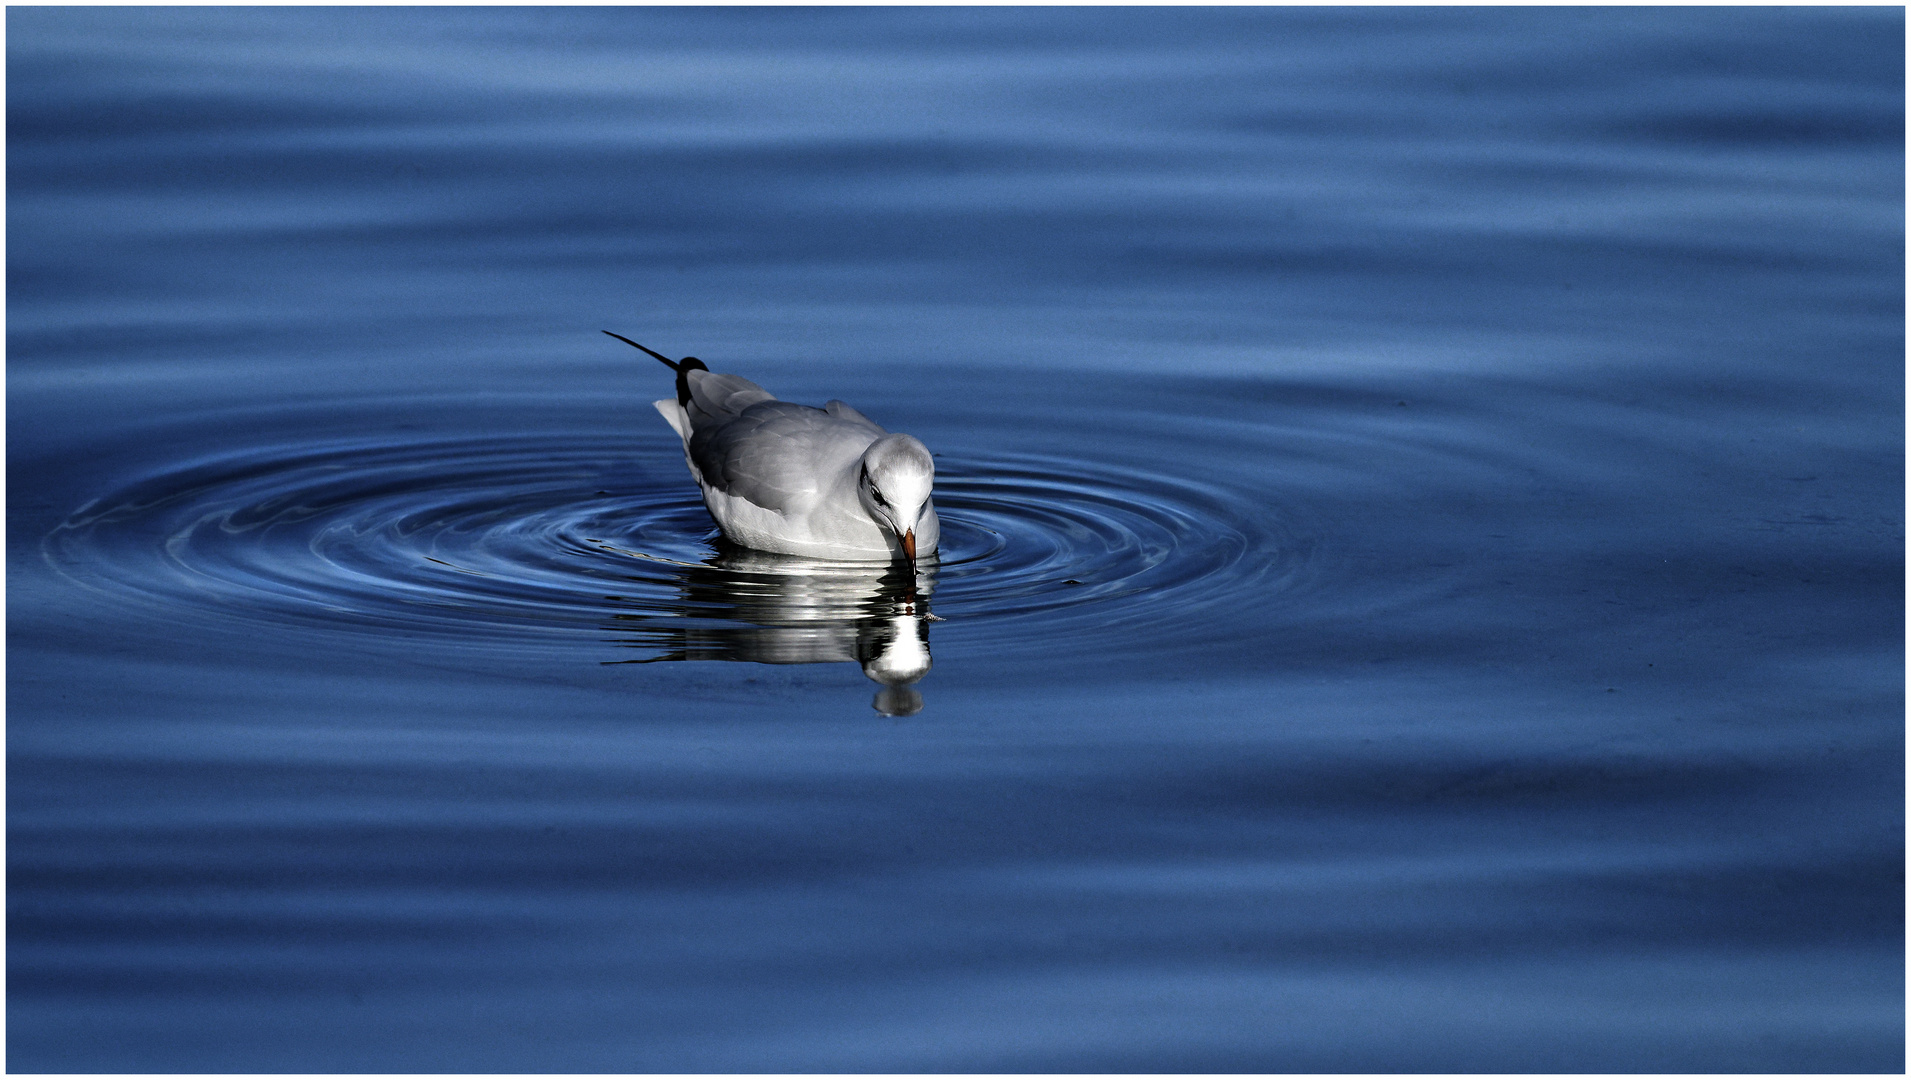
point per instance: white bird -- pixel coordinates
(828, 483)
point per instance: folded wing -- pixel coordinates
(776, 454)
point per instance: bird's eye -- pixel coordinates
(876, 494)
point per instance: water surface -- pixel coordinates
(1422, 581)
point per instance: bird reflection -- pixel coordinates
(757, 606)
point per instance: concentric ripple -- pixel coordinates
(542, 537)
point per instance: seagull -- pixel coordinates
(827, 483)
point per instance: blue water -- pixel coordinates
(1423, 579)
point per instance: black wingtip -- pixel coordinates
(665, 360)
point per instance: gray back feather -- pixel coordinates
(717, 396)
(774, 453)
(843, 411)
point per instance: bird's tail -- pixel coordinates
(683, 367)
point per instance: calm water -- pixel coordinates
(1422, 584)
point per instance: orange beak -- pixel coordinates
(909, 546)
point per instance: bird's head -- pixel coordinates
(894, 483)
